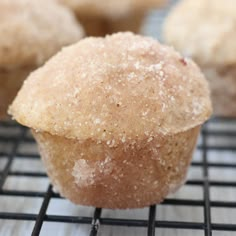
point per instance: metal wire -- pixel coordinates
(207, 211)
(151, 221)
(96, 221)
(42, 212)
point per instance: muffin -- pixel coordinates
(105, 17)
(30, 34)
(115, 128)
(205, 31)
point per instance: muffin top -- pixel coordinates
(111, 8)
(121, 86)
(204, 30)
(32, 31)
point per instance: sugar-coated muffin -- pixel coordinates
(205, 31)
(100, 17)
(116, 119)
(31, 31)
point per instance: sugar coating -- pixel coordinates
(204, 30)
(32, 31)
(111, 8)
(115, 88)
(133, 174)
(86, 173)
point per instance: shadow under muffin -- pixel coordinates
(100, 18)
(100, 26)
(10, 82)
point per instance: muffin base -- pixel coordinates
(117, 174)
(223, 90)
(100, 26)
(10, 83)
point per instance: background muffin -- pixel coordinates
(31, 32)
(205, 31)
(100, 17)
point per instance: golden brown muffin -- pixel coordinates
(115, 128)
(205, 31)
(100, 17)
(31, 31)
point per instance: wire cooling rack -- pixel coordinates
(216, 150)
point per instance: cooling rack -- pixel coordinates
(216, 149)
